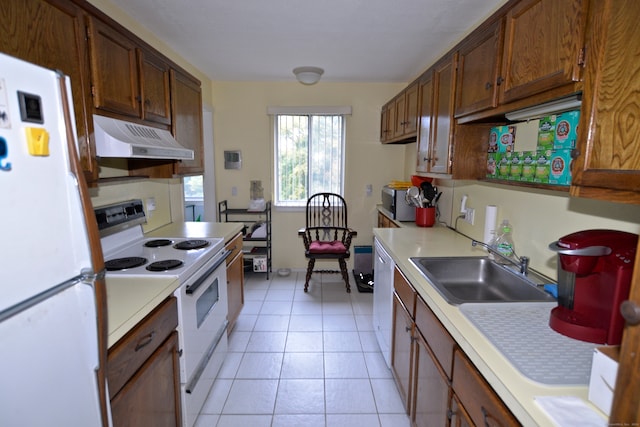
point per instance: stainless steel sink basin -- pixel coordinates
(478, 279)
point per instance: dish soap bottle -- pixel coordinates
(503, 243)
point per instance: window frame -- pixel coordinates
(275, 112)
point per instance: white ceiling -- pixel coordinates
(353, 40)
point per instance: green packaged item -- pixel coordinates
(515, 166)
(543, 166)
(547, 132)
(528, 166)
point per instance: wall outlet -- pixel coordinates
(469, 215)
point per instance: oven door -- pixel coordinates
(202, 310)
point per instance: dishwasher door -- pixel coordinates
(383, 299)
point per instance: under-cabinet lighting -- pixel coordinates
(572, 102)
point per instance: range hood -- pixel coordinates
(117, 138)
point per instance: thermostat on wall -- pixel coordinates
(232, 160)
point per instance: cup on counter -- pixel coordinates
(426, 217)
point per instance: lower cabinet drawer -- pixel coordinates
(405, 291)
(235, 246)
(127, 355)
(477, 397)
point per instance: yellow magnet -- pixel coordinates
(37, 141)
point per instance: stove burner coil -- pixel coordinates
(168, 264)
(156, 243)
(124, 263)
(191, 244)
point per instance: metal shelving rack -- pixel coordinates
(256, 246)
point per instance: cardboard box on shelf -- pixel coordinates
(502, 139)
(603, 376)
(515, 166)
(492, 165)
(503, 165)
(543, 166)
(528, 166)
(566, 130)
(546, 132)
(560, 167)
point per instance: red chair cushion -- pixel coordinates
(334, 247)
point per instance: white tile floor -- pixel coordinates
(303, 359)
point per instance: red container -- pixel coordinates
(425, 217)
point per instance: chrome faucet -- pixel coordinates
(523, 265)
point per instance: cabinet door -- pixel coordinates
(609, 131)
(458, 416)
(152, 396)
(154, 88)
(384, 124)
(187, 121)
(479, 63)
(398, 128)
(424, 129)
(235, 282)
(114, 71)
(444, 89)
(543, 44)
(56, 42)
(411, 109)
(483, 405)
(401, 350)
(431, 389)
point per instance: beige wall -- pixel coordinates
(240, 122)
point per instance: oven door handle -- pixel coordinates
(194, 287)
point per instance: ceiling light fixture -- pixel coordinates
(553, 107)
(308, 75)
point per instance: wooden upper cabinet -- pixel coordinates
(607, 163)
(114, 70)
(126, 79)
(399, 117)
(398, 128)
(444, 94)
(154, 88)
(544, 47)
(479, 61)
(52, 34)
(426, 114)
(187, 121)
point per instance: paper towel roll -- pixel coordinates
(490, 217)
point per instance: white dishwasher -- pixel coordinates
(383, 299)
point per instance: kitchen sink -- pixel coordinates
(478, 279)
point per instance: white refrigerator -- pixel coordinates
(52, 336)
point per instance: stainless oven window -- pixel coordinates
(206, 302)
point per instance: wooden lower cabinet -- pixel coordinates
(385, 222)
(431, 388)
(480, 402)
(437, 382)
(143, 372)
(458, 416)
(235, 280)
(402, 350)
(149, 397)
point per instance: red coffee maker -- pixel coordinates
(594, 277)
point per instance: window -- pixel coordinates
(193, 198)
(309, 156)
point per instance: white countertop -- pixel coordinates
(130, 300)
(517, 391)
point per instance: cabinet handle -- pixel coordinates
(138, 99)
(486, 417)
(500, 80)
(488, 86)
(631, 312)
(145, 341)
(147, 102)
(407, 328)
(426, 159)
(575, 153)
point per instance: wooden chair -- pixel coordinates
(327, 235)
